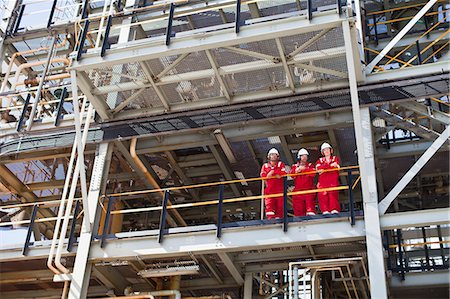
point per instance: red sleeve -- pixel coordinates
(338, 161)
(264, 171)
(319, 165)
(293, 168)
(281, 170)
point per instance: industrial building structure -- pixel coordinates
(132, 134)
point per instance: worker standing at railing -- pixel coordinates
(273, 169)
(304, 204)
(328, 200)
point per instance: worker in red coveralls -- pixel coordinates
(304, 204)
(273, 169)
(328, 200)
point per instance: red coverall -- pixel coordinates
(303, 182)
(328, 201)
(274, 205)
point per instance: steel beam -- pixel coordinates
(234, 271)
(146, 49)
(363, 133)
(213, 63)
(243, 238)
(402, 123)
(287, 70)
(225, 169)
(184, 179)
(421, 279)
(7, 178)
(231, 69)
(412, 172)
(311, 123)
(149, 74)
(423, 218)
(82, 268)
(428, 69)
(111, 278)
(324, 231)
(426, 111)
(407, 149)
(84, 83)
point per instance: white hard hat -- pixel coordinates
(273, 151)
(324, 146)
(302, 152)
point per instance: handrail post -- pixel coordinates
(106, 44)
(419, 56)
(52, 12)
(162, 220)
(72, 227)
(169, 24)
(237, 21)
(24, 112)
(400, 254)
(285, 198)
(30, 229)
(309, 8)
(339, 7)
(375, 28)
(220, 212)
(82, 39)
(60, 106)
(388, 250)
(106, 223)
(350, 197)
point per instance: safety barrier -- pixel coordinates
(164, 207)
(162, 17)
(404, 257)
(373, 21)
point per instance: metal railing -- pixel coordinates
(424, 48)
(171, 19)
(165, 208)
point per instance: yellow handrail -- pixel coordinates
(228, 200)
(399, 8)
(435, 52)
(427, 47)
(420, 244)
(406, 18)
(222, 182)
(410, 45)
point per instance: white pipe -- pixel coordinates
(295, 278)
(60, 210)
(100, 26)
(290, 282)
(77, 172)
(50, 57)
(65, 290)
(80, 146)
(152, 294)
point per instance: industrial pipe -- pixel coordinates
(15, 55)
(152, 295)
(36, 63)
(150, 178)
(79, 171)
(41, 84)
(69, 201)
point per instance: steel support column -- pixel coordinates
(248, 284)
(82, 268)
(362, 124)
